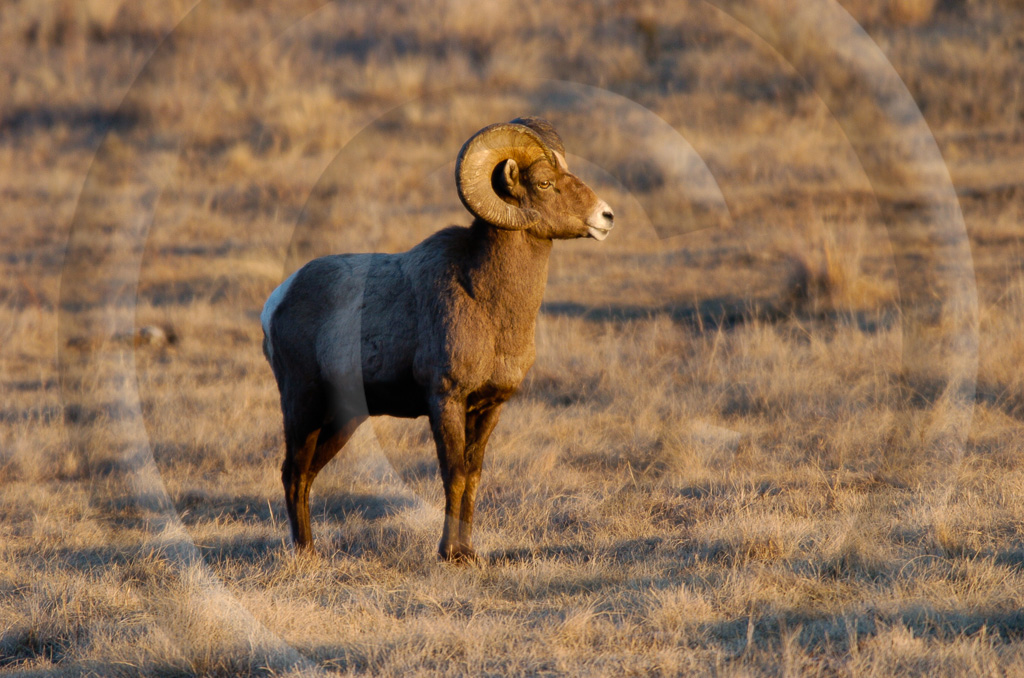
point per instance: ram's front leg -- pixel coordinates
(448, 422)
(478, 429)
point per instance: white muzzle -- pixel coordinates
(600, 221)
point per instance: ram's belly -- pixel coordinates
(401, 397)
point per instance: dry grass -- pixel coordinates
(757, 439)
(892, 12)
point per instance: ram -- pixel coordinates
(445, 329)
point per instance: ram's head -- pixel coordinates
(514, 176)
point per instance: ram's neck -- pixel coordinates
(509, 274)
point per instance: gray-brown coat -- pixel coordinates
(445, 329)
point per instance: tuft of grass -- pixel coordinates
(828, 273)
(910, 12)
(891, 13)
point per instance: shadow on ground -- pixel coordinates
(721, 312)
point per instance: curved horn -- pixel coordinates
(545, 130)
(477, 161)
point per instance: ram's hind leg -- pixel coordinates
(304, 410)
(301, 468)
(299, 448)
(332, 438)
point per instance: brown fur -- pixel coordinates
(444, 330)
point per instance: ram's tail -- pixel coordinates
(267, 315)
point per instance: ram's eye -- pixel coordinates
(544, 184)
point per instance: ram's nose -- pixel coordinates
(600, 221)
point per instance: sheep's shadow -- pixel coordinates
(341, 505)
(330, 511)
(247, 549)
(525, 555)
(576, 553)
(198, 506)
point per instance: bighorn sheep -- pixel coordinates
(445, 329)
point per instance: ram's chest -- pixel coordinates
(483, 348)
(510, 370)
(488, 372)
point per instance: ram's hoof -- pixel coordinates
(459, 555)
(306, 550)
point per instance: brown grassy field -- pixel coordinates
(776, 420)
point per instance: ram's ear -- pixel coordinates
(510, 175)
(506, 180)
(562, 164)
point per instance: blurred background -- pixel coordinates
(775, 420)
